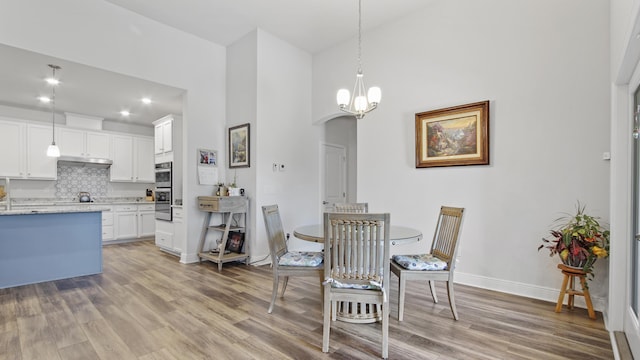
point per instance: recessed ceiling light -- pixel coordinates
(146, 101)
(44, 99)
(125, 113)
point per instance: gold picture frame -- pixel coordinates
(457, 135)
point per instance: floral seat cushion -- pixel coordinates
(420, 262)
(301, 258)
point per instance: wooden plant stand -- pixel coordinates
(568, 288)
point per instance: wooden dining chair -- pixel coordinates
(356, 266)
(438, 265)
(287, 263)
(351, 207)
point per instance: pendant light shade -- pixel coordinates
(53, 150)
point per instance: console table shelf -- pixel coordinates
(227, 207)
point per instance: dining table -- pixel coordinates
(351, 311)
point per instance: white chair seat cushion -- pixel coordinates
(301, 258)
(420, 262)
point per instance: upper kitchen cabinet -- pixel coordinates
(25, 147)
(132, 159)
(83, 143)
(163, 135)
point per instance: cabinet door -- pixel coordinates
(12, 149)
(167, 133)
(126, 225)
(97, 145)
(144, 164)
(71, 142)
(39, 165)
(158, 147)
(146, 223)
(122, 150)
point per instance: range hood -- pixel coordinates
(84, 161)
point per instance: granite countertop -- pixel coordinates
(60, 210)
(36, 202)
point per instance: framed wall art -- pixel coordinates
(235, 241)
(457, 135)
(239, 146)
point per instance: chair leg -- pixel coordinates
(402, 283)
(452, 301)
(284, 285)
(563, 291)
(274, 292)
(385, 330)
(432, 287)
(326, 320)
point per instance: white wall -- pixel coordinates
(544, 67)
(284, 136)
(100, 34)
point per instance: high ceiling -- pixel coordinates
(312, 25)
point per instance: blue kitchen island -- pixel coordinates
(38, 246)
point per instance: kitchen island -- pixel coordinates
(45, 245)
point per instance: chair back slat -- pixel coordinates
(351, 207)
(275, 233)
(445, 238)
(359, 247)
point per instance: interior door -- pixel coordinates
(335, 175)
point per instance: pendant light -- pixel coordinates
(358, 104)
(53, 150)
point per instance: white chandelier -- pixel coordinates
(358, 103)
(53, 150)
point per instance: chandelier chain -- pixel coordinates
(359, 35)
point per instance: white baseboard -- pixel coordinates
(521, 289)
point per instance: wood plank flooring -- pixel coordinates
(148, 306)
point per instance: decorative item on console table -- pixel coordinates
(579, 240)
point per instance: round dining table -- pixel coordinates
(359, 312)
(397, 234)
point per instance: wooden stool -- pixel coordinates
(568, 288)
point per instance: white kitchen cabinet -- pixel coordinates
(107, 225)
(24, 149)
(132, 159)
(12, 141)
(82, 143)
(163, 130)
(164, 235)
(178, 229)
(146, 220)
(144, 163)
(39, 165)
(126, 221)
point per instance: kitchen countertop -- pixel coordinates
(60, 210)
(34, 202)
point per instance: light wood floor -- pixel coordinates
(148, 306)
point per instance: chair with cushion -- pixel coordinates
(356, 266)
(287, 263)
(351, 207)
(437, 265)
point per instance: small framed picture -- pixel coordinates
(235, 241)
(239, 146)
(207, 157)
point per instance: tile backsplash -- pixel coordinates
(74, 179)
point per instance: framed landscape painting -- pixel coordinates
(239, 146)
(457, 135)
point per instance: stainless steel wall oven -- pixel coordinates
(164, 181)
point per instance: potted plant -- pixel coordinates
(578, 239)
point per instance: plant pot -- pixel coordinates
(577, 263)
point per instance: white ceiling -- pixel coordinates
(312, 25)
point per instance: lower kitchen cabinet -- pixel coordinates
(146, 220)
(107, 225)
(134, 221)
